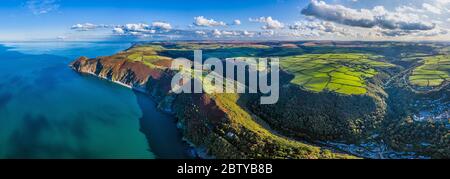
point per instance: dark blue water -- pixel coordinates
(49, 111)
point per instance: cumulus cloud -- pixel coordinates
(237, 22)
(269, 23)
(318, 28)
(139, 29)
(313, 25)
(87, 27)
(367, 18)
(204, 22)
(267, 33)
(142, 29)
(216, 33)
(200, 33)
(118, 30)
(39, 7)
(228, 33)
(162, 25)
(248, 34)
(231, 33)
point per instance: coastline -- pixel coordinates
(119, 83)
(192, 151)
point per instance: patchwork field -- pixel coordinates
(341, 73)
(235, 125)
(148, 55)
(434, 72)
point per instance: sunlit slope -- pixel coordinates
(215, 122)
(434, 72)
(341, 73)
(218, 123)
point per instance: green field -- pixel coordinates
(434, 71)
(341, 73)
(148, 55)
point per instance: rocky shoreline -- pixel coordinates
(214, 126)
(163, 104)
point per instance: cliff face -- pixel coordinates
(215, 122)
(237, 126)
(132, 74)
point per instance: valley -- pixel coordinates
(391, 98)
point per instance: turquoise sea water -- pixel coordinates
(49, 111)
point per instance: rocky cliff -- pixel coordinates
(218, 123)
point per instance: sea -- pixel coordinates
(49, 111)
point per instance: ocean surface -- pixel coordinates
(49, 111)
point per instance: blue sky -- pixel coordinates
(198, 19)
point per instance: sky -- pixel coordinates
(75, 20)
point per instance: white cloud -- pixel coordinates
(162, 25)
(83, 27)
(237, 22)
(227, 33)
(118, 31)
(248, 34)
(408, 9)
(204, 22)
(133, 29)
(317, 28)
(222, 33)
(267, 33)
(87, 27)
(269, 22)
(39, 7)
(136, 27)
(200, 32)
(431, 8)
(367, 18)
(230, 33)
(442, 2)
(216, 33)
(139, 29)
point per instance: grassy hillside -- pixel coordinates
(218, 123)
(340, 73)
(326, 94)
(434, 71)
(215, 122)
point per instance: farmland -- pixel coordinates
(341, 73)
(328, 94)
(434, 71)
(147, 55)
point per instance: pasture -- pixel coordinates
(343, 73)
